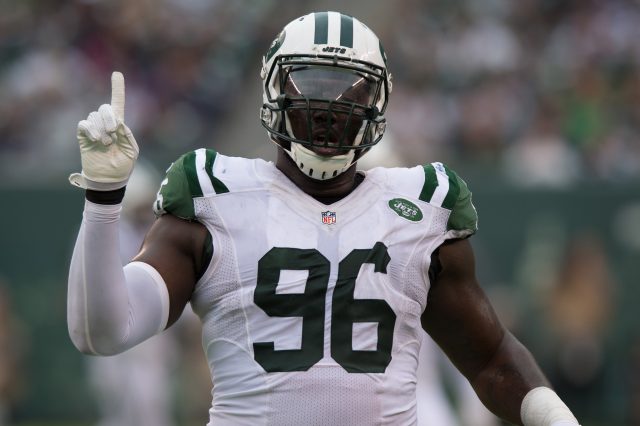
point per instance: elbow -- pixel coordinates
(93, 345)
(80, 341)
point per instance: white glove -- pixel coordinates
(108, 149)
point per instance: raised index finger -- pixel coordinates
(117, 94)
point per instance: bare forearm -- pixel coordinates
(506, 379)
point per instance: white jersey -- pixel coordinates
(311, 312)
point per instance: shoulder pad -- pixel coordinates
(444, 188)
(189, 177)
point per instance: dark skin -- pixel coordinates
(459, 317)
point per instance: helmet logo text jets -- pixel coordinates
(330, 49)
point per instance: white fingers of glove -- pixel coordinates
(99, 126)
(108, 149)
(103, 126)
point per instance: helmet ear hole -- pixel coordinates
(267, 116)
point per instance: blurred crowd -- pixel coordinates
(542, 92)
(183, 61)
(547, 92)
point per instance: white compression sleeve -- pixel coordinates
(541, 406)
(110, 308)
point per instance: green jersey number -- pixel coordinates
(310, 306)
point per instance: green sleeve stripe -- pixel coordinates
(218, 186)
(174, 196)
(463, 215)
(189, 164)
(430, 183)
(454, 190)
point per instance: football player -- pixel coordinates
(313, 280)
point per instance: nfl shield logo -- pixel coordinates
(328, 218)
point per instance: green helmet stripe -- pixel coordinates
(454, 190)
(192, 175)
(321, 35)
(218, 186)
(430, 183)
(346, 31)
(382, 52)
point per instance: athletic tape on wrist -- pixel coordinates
(543, 407)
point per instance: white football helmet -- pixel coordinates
(325, 91)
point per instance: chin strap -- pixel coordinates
(318, 167)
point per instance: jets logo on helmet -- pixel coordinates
(325, 91)
(275, 45)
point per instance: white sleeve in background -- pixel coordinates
(110, 308)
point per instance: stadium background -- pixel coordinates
(536, 103)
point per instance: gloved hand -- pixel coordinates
(108, 149)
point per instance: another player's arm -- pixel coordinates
(462, 321)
